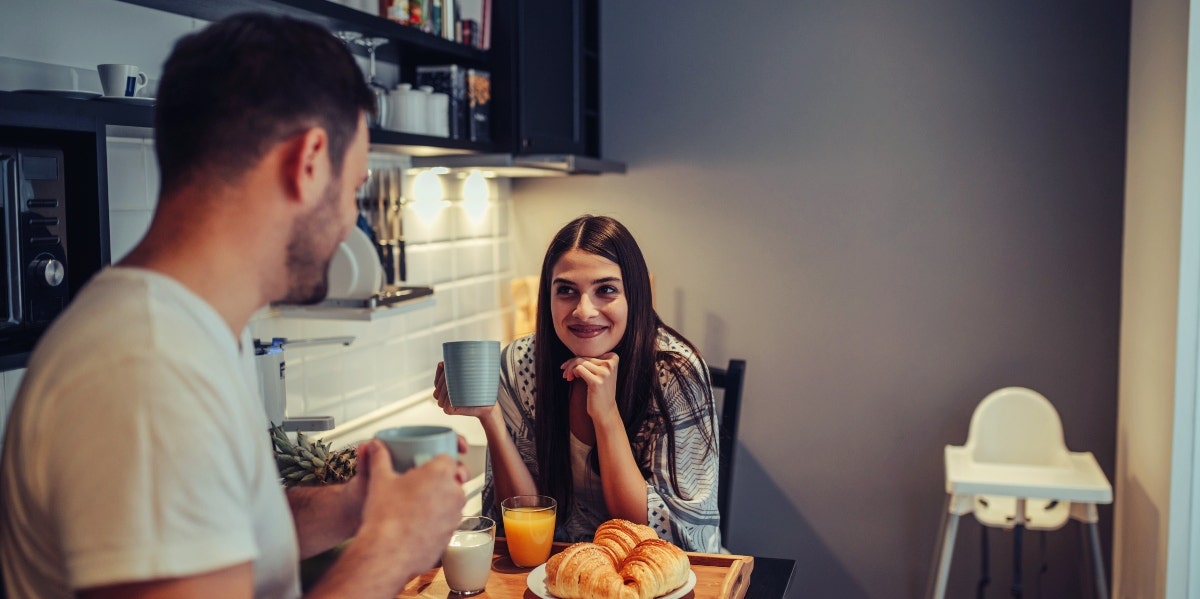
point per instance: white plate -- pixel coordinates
(123, 100)
(354, 270)
(537, 583)
(73, 94)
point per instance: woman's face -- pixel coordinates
(587, 302)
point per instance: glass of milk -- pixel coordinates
(468, 559)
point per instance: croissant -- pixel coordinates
(625, 561)
(620, 536)
(655, 567)
(586, 570)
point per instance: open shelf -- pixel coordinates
(52, 112)
(410, 43)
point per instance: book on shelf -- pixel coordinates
(467, 22)
(471, 28)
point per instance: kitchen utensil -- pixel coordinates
(268, 359)
(354, 270)
(379, 204)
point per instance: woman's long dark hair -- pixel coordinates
(638, 386)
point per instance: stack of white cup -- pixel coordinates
(412, 115)
(439, 114)
(420, 111)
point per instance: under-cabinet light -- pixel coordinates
(428, 195)
(475, 194)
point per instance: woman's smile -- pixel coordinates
(586, 331)
(588, 303)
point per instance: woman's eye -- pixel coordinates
(563, 290)
(608, 290)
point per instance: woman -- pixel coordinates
(604, 407)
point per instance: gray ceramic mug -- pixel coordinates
(411, 446)
(472, 371)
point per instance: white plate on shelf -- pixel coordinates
(73, 94)
(537, 583)
(354, 270)
(124, 100)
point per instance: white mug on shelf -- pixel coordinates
(121, 80)
(439, 114)
(412, 119)
(396, 101)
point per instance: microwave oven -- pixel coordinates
(53, 223)
(34, 248)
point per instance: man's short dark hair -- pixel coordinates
(243, 84)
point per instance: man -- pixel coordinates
(137, 461)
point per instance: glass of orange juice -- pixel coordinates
(529, 528)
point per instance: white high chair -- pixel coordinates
(1015, 472)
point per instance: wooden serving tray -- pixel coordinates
(718, 576)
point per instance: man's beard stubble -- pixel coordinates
(309, 250)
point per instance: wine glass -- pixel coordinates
(347, 36)
(380, 90)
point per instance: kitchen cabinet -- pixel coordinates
(543, 61)
(553, 66)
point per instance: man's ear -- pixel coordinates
(307, 170)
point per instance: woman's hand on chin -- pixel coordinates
(600, 375)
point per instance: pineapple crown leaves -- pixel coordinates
(309, 462)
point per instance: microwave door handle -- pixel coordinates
(11, 196)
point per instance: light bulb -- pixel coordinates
(475, 196)
(428, 195)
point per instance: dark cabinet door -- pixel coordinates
(549, 73)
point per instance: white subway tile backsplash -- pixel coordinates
(358, 369)
(442, 265)
(359, 404)
(503, 207)
(476, 225)
(126, 229)
(152, 179)
(422, 355)
(419, 265)
(127, 175)
(503, 256)
(445, 310)
(294, 388)
(422, 228)
(389, 363)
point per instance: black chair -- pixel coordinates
(730, 380)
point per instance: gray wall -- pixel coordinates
(889, 211)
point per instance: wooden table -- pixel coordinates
(718, 576)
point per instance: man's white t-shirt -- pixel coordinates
(137, 449)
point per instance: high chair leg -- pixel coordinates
(944, 553)
(1097, 562)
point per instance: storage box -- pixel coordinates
(479, 96)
